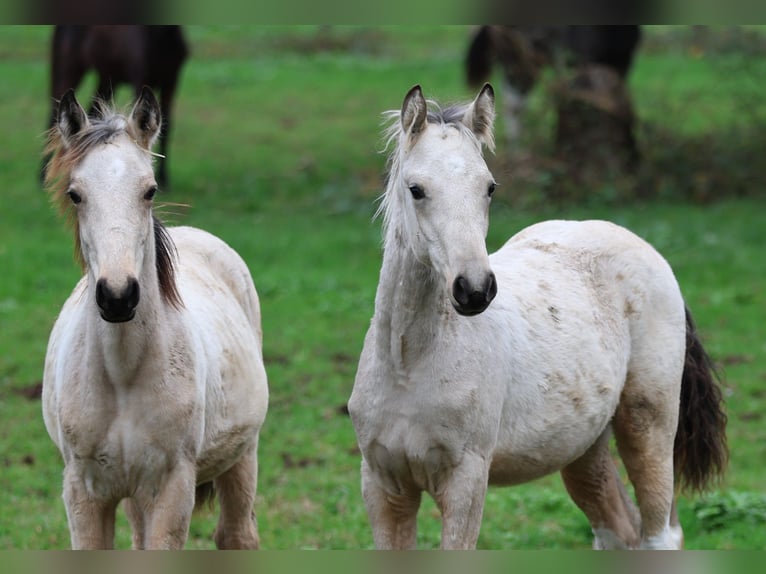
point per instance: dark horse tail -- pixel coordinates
(204, 495)
(700, 452)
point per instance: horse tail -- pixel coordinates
(700, 451)
(478, 62)
(204, 495)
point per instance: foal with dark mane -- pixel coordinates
(154, 380)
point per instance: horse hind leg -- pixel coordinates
(595, 486)
(644, 427)
(237, 526)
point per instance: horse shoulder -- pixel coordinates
(66, 347)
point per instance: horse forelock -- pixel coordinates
(394, 135)
(64, 158)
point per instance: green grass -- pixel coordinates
(276, 150)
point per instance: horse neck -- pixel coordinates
(121, 349)
(411, 304)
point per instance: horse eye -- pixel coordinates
(149, 195)
(74, 196)
(417, 192)
(491, 189)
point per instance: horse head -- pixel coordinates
(102, 168)
(445, 189)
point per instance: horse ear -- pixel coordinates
(414, 111)
(70, 118)
(146, 118)
(480, 116)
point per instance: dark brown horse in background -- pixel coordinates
(134, 55)
(525, 51)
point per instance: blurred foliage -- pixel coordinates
(720, 509)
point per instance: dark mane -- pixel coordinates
(102, 129)
(165, 259)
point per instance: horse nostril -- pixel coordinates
(117, 306)
(461, 290)
(491, 290)
(103, 293)
(131, 294)
(470, 299)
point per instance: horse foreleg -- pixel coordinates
(461, 501)
(393, 517)
(237, 527)
(91, 521)
(169, 508)
(137, 523)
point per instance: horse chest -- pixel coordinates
(416, 433)
(123, 458)
(119, 440)
(407, 450)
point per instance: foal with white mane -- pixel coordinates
(485, 369)
(154, 380)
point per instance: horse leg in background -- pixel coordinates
(237, 527)
(104, 93)
(461, 502)
(166, 104)
(521, 58)
(168, 43)
(67, 71)
(595, 486)
(645, 427)
(91, 522)
(514, 104)
(393, 518)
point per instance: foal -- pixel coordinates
(485, 369)
(154, 380)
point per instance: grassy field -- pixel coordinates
(276, 150)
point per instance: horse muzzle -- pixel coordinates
(117, 306)
(468, 299)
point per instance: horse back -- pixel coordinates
(207, 260)
(619, 269)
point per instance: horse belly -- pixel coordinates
(568, 362)
(535, 442)
(236, 398)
